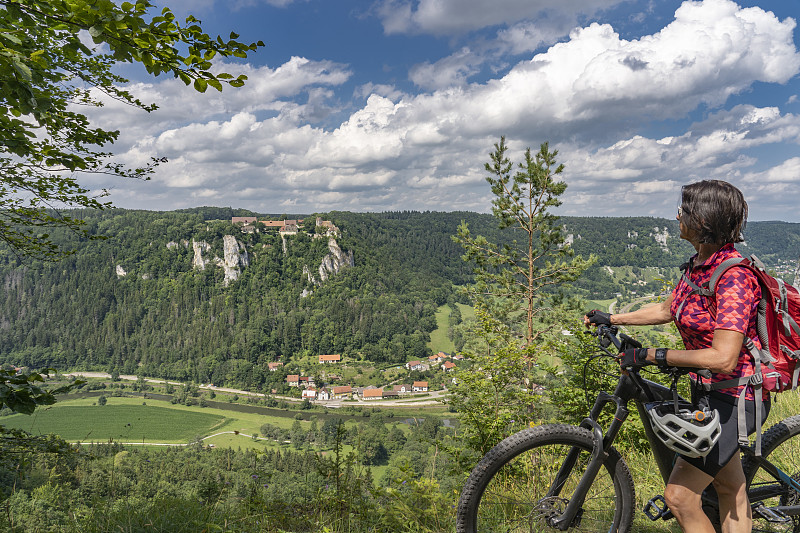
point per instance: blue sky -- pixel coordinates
(395, 104)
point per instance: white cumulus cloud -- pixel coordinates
(587, 95)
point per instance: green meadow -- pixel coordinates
(118, 420)
(440, 342)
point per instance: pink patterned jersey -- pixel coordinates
(736, 301)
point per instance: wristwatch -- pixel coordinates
(661, 358)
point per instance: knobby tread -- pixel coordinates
(772, 438)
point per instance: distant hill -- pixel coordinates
(188, 295)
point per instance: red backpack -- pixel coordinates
(777, 325)
(778, 330)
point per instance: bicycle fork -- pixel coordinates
(602, 443)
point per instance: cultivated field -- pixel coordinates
(120, 420)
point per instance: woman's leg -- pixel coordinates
(734, 507)
(683, 496)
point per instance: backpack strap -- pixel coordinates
(721, 269)
(789, 323)
(755, 382)
(696, 289)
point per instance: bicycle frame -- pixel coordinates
(632, 387)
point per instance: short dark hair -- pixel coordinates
(716, 210)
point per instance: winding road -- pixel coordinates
(434, 397)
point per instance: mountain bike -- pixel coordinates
(559, 477)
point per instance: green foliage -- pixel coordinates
(414, 504)
(21, 393)
(46, 71)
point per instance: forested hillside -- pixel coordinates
(133, 302)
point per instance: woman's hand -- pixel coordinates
(633, 359)
(596, 317)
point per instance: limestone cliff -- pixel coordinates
(660, 237)
(234, 255)
(199, 247)
(334, 261)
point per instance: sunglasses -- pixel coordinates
(680, 211)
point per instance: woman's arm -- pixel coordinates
(646, 316)
(722, 357)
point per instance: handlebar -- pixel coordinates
(608, 335)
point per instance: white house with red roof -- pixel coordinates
(330, 359)
(309, 394)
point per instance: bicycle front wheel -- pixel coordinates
(780, 445)
(511, 489)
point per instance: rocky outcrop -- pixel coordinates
(234, 255)
(661, 237)
(309, 275)
(199, 247)
(334, 261)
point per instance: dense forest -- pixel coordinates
(110, 487)
(132, 302)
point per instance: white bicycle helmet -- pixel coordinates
(689, 432)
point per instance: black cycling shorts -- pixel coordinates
(728, 443)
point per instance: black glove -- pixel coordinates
(634, 358)
(599, 318)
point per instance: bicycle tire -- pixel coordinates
(505, 491)
(780, 445)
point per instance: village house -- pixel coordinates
(307, 381)
(458, 357)
(289, 227)
(390, 394)
(324, 394)
(417, 365)
(309, 394)
(328, 359)
(420, 386)
(243, 220)
(273, 224)
(274, 366)
(402, 389)
(293, 380)
(448, 366)
(342, 392)
(373, 394)
(438, 358)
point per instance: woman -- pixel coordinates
(712, 216)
